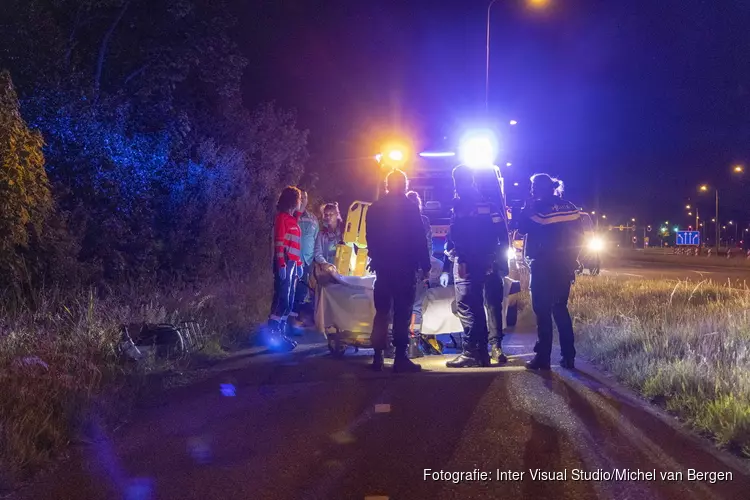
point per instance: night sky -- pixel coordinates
(645, 99)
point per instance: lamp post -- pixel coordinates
(704, 188)
(697, 217)
(731, 223)
(487, 62)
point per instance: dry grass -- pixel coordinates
(683, 344)
(59, 365)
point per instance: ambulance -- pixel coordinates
(345, 310)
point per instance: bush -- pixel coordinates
(25, 199)
(684, 344)
(149, 184)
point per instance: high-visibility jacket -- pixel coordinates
(286, 237)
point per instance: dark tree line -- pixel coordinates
(152, 166)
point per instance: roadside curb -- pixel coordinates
(628, 395)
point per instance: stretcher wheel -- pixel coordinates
(336, 348)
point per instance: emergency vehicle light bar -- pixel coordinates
(445, 154)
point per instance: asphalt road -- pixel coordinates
(305, 425)
(633, 269)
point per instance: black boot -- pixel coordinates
(537, 364)
(274, 338)
(377, 361)
(568, 363)
(402, 363)
(498, 355)
(287, 343)
(472, 356)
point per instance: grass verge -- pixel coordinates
(59, 367)
(685, 345)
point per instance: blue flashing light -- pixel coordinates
(479, 149)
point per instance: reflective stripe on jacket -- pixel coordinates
(554, 230)
(286, 239)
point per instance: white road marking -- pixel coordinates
(382, 408)
(622, 274)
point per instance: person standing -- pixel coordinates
(309, 228)
(397, 250)
(475, 233)
(554, 238)
(422, 281)
(287, 265)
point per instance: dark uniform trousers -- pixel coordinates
(470, 297)
(493, 301)
(392, 290)
(550, 290)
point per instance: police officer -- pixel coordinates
(554, 237)
(471, 249)
(397, 249)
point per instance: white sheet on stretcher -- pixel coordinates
(348, 306)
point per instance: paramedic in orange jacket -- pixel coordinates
(287, 264)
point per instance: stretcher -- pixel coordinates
(345, 308)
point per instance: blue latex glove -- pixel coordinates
(300, 271)
(282, 273)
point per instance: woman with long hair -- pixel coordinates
(287, 264)
(330, 235)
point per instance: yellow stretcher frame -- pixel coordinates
(351, 255)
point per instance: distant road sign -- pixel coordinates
(688, 238)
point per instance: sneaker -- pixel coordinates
(498, 355)
(468, 360)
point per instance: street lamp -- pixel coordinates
(739, 169)
(704, 189)
(534, 4)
